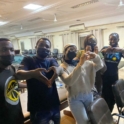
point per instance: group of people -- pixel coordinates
(80, 71)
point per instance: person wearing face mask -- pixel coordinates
(43, 101)
(91, 41)
(10, 107)
(112, 55)
(90, 44)
(79, 80)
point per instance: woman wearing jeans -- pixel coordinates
(79, 80)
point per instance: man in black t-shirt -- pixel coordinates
(10, 108)
(112, 56)
(43, 101)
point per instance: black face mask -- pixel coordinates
(43, 53)
(6, 60)
(72, 62)
(71, 55)
(91, 42)
(92, 45)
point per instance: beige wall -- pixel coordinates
(59, 39)
(15, 44)
(27, 43)
(58, 43)
(107, 32)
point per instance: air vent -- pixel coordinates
(120, 26)
(38, 33)
(35, 19)
(77, 27)
(85, 4)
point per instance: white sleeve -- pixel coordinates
(70, 79)
(97, 63)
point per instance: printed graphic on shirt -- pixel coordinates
(11, 93)
(113, 57)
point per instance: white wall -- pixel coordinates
(15, 44)
(27, 43)
(58, 43)
(107, 32)
(101, 32)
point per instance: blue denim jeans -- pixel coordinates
(78, 106)
(44, 117)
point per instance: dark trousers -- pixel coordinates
(44, 117)
(107, 92)
(98, 82)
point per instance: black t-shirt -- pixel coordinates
(40, 97)
(10, 107)
(112, 60)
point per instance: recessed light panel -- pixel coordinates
(32, 6)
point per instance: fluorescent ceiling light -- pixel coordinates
(2, 23)
(32, 6)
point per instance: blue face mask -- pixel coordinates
(42, 52)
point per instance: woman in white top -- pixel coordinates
(79, 80)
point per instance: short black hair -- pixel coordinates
(86, 39)
(114, 34)
(44, 39)
(4, 39)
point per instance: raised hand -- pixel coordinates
(87, 56)
(88, 48)
(83, 58)
(96, 49)
(91, 55)
(107, 50)
(117, 49)
(37, 73)
(52, 79)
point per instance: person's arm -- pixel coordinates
(24, 73)
(97, 63)
(22, 85)
(106, 50)
(83, 66)
(102, 58)
(70, 79)
(118, 49)
(79, 53)
(104, 67)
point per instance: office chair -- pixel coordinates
(118, 91)
(99, 112)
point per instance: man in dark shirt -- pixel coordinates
(10, 107)
(43, 101)
(112, 56)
